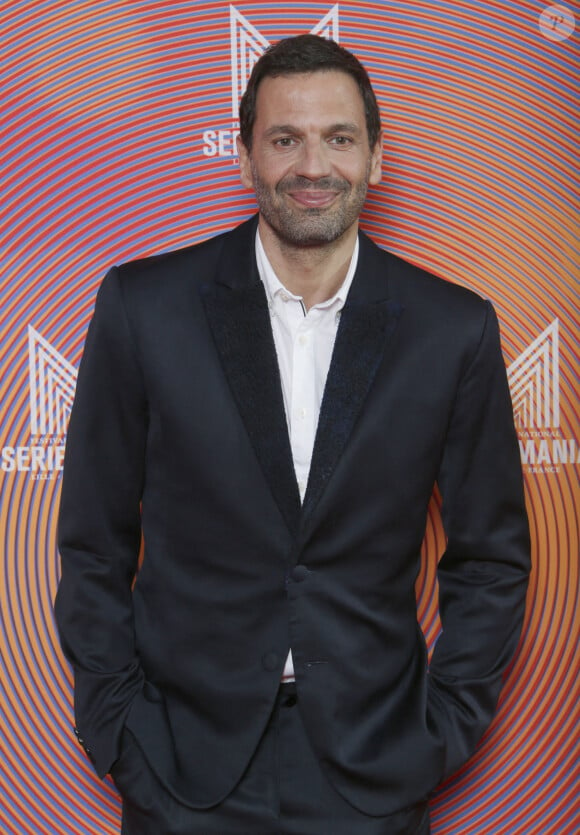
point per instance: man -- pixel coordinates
(271, 410)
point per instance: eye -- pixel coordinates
(341, 141)
(285, 142)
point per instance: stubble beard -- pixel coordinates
(310, 227)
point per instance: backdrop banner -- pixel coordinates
(119, 141)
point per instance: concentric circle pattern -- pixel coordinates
(118, 141)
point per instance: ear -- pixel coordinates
(376, 162)
(245, 165)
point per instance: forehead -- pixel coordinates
(320, 96)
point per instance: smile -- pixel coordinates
(313, 199)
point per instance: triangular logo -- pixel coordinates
(534, 379)
(247, 44)
(328, 26)
(52, 386)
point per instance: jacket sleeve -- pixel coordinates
(100, 528)
(483, 574)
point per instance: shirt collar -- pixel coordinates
(274, 286)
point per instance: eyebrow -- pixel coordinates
(338, 127)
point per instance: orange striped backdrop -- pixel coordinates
(118, 142)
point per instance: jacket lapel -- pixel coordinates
(239, 317)
(238, 314)
(367, 322)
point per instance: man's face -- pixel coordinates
(310, 163)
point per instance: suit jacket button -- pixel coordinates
(299, 573)
(270, 661)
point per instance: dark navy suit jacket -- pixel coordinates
(178, 433)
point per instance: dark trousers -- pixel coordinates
(283, 792)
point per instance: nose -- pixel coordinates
(313, 161)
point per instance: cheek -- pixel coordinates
(273, 176)
(353, 168)
(274, 167)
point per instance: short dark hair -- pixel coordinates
(305, 54)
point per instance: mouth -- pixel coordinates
(311, 199)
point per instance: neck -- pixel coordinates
(315, 273)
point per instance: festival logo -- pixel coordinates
(534, 379)
(52, 381)
(247, 45)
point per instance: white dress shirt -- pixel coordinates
(304, 341)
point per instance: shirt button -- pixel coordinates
(299, 573)
(303, 339)
(284, 297)
(302, 413)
